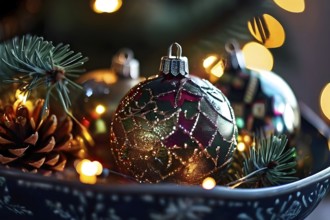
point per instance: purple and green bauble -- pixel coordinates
(173, 128)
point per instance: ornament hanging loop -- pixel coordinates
(235, 55)
(124, 64)
(178, 50)
(174, 65)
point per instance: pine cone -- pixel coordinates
(32, 143)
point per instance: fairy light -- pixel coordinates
(100, 126)
(99, 167)
(295, 6)
(106, 6)
(247, 138)
(241, 146)
(214, 66)
(276, 32)
(324, 101)
(209, 61)
(239, 138)
(21, 96)
(240, 122)
(209, 183)
(100, 109)
(21, 99)
(89, 170)
(218, 69)
(252, 50)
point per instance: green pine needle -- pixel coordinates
(34, 63)
(268, 163)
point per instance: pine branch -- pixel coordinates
(268, 163)
(34, 63)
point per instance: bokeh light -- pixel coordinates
(247, 138)
(209, 61)
(276, 32)
(21, 96)
(209, 183)
(106, 6)
(240, 122)
(295, 6)
(100, 109)
(241, 146)
(257, 56)
(218, 69)
(88, 170)
(214, 66)
(325, 101)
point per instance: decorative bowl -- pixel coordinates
(30, 196)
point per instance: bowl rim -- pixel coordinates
(220, 192)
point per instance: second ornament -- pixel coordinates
(103, 90)
(262, 100)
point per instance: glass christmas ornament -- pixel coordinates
(173, 127)
(103, 89)
(262, 101)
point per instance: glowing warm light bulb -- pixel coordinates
(214, 66)
(257, 56)
(241, 146)
(100, 109)
(239, 138)
(324, 101)
(87, 179)
(295, 6)
(209, 183)
(21, 96)
(106, 6)
(218, 69)
(89, 170)
(209, 61)
(78, 165)
(276, 32)
(329, 144)
(99, 167)
(247, 139)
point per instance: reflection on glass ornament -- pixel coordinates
(173, 127)
(262, 100)
(103, 90)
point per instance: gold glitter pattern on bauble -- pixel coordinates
(173, 129)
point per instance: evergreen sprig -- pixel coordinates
(270, 162)
(33, 62)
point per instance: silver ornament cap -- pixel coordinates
(174, 65)
(124, 64)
